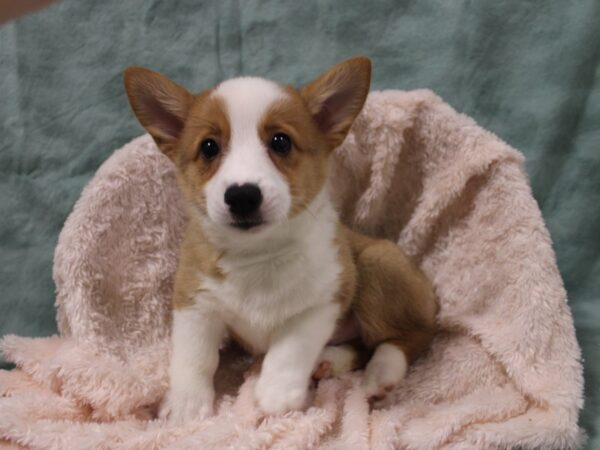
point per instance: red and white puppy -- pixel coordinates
(265, 259)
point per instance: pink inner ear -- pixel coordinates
(169, 123)
(332, 111)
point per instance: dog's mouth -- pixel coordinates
(247, 224)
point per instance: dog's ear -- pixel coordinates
(337, 96)
(160, 105)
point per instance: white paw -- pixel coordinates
(384, 372)
(280, 394)
(183, 405)
(334, 361)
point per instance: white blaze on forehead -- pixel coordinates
(246, 101)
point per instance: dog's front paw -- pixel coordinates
(280, 394)
(183, 405)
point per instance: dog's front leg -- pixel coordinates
(197, 335)
(295, 347)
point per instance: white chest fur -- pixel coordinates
(290, 274)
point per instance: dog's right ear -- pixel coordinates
(160, 105)
(336, 97)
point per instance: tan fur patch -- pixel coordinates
(394, 300)
(197, 259)
(305, 167)
(348, 277)
(207, 120)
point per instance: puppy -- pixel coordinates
(265, 259)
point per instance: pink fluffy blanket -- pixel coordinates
(504, 370)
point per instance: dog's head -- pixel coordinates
(251, 153)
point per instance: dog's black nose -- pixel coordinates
(243, 200)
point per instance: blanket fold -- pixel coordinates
(503, 372)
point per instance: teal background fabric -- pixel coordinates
(528, 71)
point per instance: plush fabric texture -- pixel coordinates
(503, 372)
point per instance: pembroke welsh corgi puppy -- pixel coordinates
(265, 259)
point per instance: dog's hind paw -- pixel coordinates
(383, 374)
(334, 361)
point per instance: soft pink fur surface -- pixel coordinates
(504, 371)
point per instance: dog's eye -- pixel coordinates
(281, 143)
(209, 149)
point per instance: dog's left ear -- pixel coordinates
(160, 105)
(337, 96)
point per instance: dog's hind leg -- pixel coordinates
(395, 306)
(336, 360)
